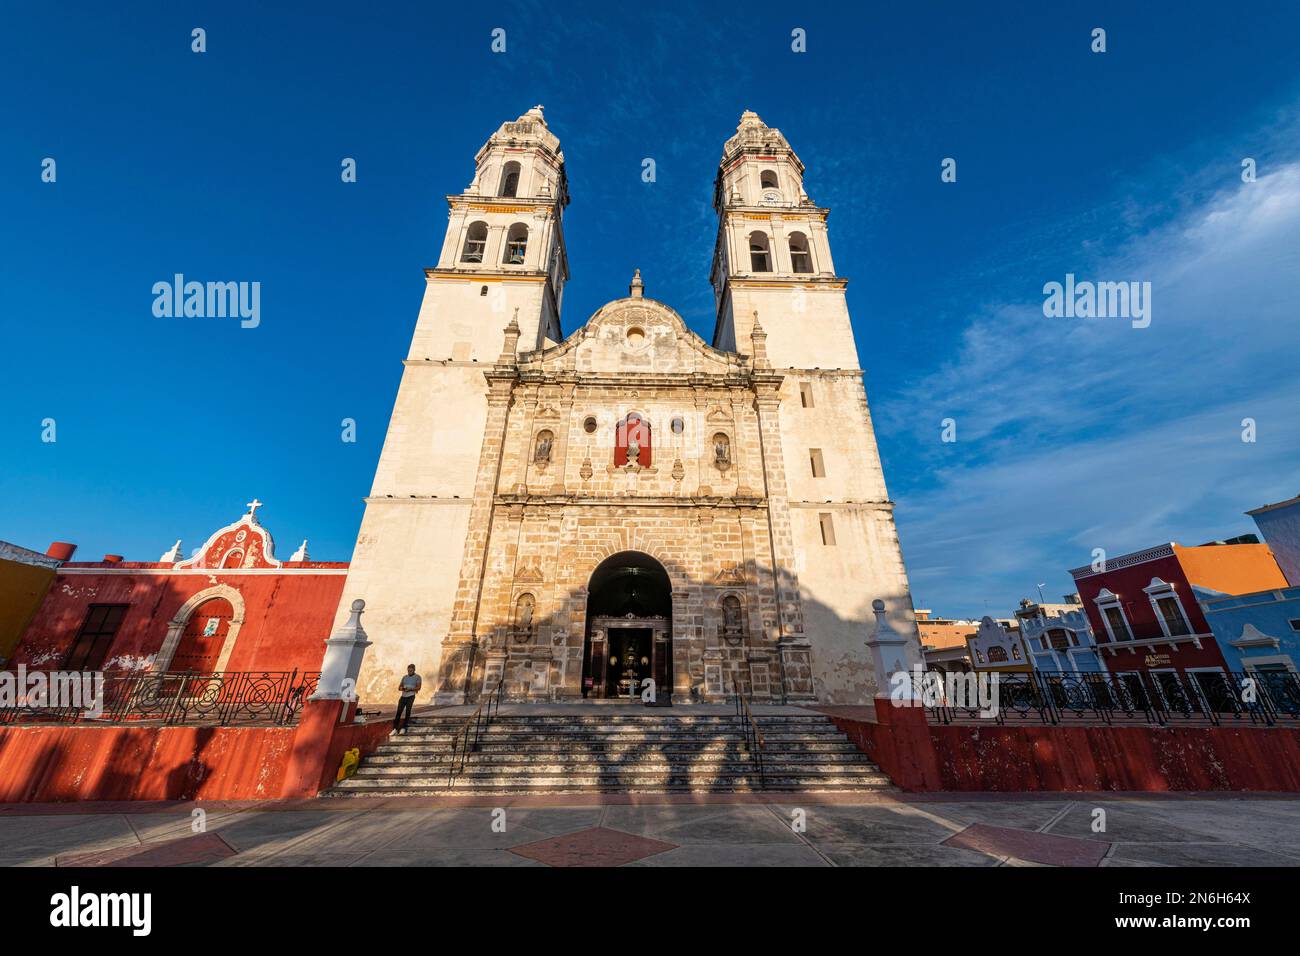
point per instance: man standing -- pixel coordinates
(409, 686)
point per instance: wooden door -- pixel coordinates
(662, 673)
(203, 638)
(596, 669)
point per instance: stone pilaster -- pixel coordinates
(461, 644)
(796, 669)
(767, 402)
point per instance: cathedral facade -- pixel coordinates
(570, 518)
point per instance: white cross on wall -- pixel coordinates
(253, 506)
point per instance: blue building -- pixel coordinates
(1059, 638)
(1255, 632)
(1279, 525)
(1261, 631)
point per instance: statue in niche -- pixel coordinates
(542, 454)
(633, 451)
(721, 450)
(731, 614)
(524, 618)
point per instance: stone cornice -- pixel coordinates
(739, 379)
(867, 504)
(753, 281)
(501, 203)
(1125, 561)
(628, 501)
(470, 275)
(767, 212)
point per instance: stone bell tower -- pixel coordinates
(772, 264)
(502, 261)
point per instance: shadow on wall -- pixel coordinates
(724, 633)
(272, 622)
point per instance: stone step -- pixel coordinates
(615, 753)
(771, 788)
(559, 768)
(683, 719)
(385, 765)
(415, 752)
(626, 727)
(552, 782)
(578, 737)
(645, 718)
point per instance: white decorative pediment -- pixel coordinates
(631, 336)
(1251, 636)
(240, 545)
(1158, 585)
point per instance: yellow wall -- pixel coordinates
(22, 589)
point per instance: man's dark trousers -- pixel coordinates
(403, 704)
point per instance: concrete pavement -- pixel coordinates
(672, 830)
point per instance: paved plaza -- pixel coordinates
(658, 830)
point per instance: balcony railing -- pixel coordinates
(1262, 698)
(222, 698)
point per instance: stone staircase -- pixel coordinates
(626, 752)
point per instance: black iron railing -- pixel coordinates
(180, 697)
(749, 726)
(1154, 697)
(472, 729)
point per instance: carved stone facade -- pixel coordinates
(571, 517)
(540, 527)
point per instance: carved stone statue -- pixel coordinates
(542, 455)
(633, 451)
(731, 614)
(722, 450)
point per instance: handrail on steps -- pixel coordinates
(461, 744)
(753, 735)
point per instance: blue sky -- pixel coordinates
(1072, 434)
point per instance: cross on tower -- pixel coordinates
(253, 506)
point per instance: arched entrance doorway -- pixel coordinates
(629, 629)
(204, 637)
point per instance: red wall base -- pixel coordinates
(920, 757)
(84, 762)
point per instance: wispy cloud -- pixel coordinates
(1075, 434)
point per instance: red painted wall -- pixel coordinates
(921, 757)
(1128, 584)
(1232, 568)
(79, 762)
(288, 615)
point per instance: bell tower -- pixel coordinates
(504, 249)
(772, 264)
(773, 256)
(501, 264)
